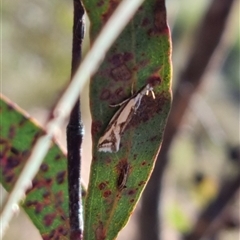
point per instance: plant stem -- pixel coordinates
(75, 133)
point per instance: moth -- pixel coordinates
(122, 178)
(110, 141)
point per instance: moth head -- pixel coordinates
(149, 88)
(106, 147)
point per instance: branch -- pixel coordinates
(75, 134)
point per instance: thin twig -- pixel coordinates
(75, 133)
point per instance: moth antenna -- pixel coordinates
(118, 104)
(150, 89)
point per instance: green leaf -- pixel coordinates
(141, 55)
(46, 201)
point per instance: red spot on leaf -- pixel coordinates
(154, 80)
(3, 141)
(141, 183)
(127, 56)
(96, 127)
(23, 121)
(108, 160)
(105, 94)
(145, 22)
(102, 185)
(100, 3)
(143, 163)
(57, 157)
(60, 177)
(34, 183)
(59, 198)
(131, 192)
(132, 200)
(9, 178)
(14, 151)
(10, 107)
(29, 203)
(44, 167)
(12, 132)
(48, 181)
(121, 73)
(50, 236)
(63, 231)
(12, 162)
(107, 193)
(119, 92)
(46, 194)
(160, 23)
(39, 207)
(117, 60)
(48, 219)
(154, 138)
(100, 233)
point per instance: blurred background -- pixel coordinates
(204, 155)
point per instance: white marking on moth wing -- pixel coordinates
(110, 141)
